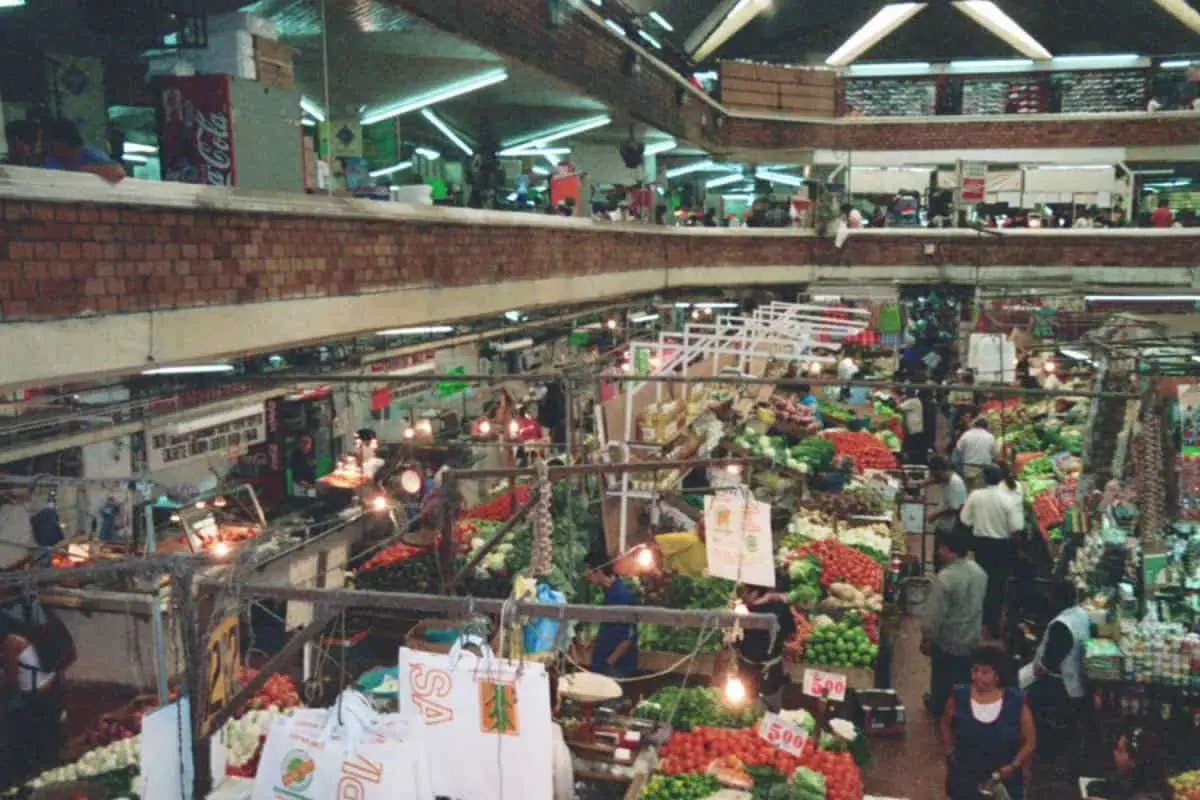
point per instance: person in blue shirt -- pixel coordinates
(65, 150)
(614, 651)
(807, 399)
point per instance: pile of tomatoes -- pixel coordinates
(693, 753)
(865, 449)
(842, 564)
(392, 554)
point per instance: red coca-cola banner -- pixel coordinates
(195, 130)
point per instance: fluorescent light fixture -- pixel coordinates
(724, 180)
(458, 89)
(1178, 63)
(1077, 355)
(308, 123)
(516, 344)
(190, 369)
(995, 20)
(444, 129)
(137, 147)
(640, 318)
(541, 151)
(1168, 184)
(1109, 60)
(700, 166)
(616, 26)
(706, 75)
(134, 158)
(415, 369)
(650, 40)
(1182, 11)
(428, 330)
(737, 197)
(718, 305)
(660, 147)
(991, 65)
(779, 177)
(738, 17)
(379, 173)
(540, 171)
(11, 3)
(890, 68)
(885, 21)
(661, 21)
(426, 153)
(312, 109)
(539, 141)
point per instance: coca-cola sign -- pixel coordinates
(195, 128)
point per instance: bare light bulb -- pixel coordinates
(814, 368)
(612, 324)
(696, 315)
(1050, 366)
(485, 427)
(735, 690)
(740, 608)
(174, 518)
(645, 558)
(733, 469)
(201, 505)
(514, 429)
(220, 549)
(380, 503)
(409, 432)
(219, 502)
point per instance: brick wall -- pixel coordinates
(591, 61)
(60, 260)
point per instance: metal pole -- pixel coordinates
(448, 545)
(156, 612)
(491, 543)
(572, 470)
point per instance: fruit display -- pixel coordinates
(1186, 786)
(693, 706)
(842, 564)
(787, 409)
(680, 787)
(840, 644)
(279, 692)
(500, 507)
(864, 449)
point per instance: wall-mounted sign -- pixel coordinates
(216, 434)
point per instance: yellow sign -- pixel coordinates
(224, 658)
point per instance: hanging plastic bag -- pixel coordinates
(541, 633)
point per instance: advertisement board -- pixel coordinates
(195, 130)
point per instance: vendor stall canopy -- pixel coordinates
(802, 32)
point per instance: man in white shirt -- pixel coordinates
(916, 447)
(975, 450)
(994, 515)
(847, 369)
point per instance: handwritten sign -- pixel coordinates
(223, 659)
(782, 734)
(738, 539)
(829, 685)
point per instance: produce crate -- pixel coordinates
(274, 63)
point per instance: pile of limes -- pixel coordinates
(842, 644)
(689, 786)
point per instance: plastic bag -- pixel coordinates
(540, 634)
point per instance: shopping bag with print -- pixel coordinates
(490, 713)
(347, 752)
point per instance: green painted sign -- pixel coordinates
(450, 388)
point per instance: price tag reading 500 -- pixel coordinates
(828, 685)
(781, 734)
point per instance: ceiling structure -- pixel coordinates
(798, 31)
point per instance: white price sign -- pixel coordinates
(829, 685)
(783, 735)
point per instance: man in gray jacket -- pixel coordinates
(953, 621)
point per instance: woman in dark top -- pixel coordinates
(760, 659)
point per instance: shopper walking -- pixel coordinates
(988, 732)
(948, 498)
(975, 450)
(995, 519)
(1054, 680)
(615, 648)
(951, 626)
(1141, 769)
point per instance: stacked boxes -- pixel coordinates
(803, 91)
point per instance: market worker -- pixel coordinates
(760, 658)
(22, 136)
(995, 517)
(31, 697)
(916, 446)
(303, 463)
(65, 150)
(975, 450)
(614, 651)
(847, 369)
(807, 398)
(988, 732)
(951, 626)
(1054, 681)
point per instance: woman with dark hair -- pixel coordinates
(1141, 769)
(988, 731)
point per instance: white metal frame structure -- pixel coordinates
(776, 330)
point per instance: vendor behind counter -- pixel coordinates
(760, 656)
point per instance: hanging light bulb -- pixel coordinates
(174, 518)
(645, 557)
(612, 324)
(201, 505)
(740, 608)
(1049, 366)
(814, 368)
(219, 502)
(735, 690)
(485, 427)
(220, 549)
(513, 429)
(696, 314)
(380, 503)
(409, 432)
(733, 469)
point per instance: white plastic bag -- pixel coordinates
(488, 729)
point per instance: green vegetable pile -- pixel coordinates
(890, 440)
(698, 705)
(681, 591)
(815, 452)
(1022, 440)
(690, 786)
(417, 574)
(1042, 465)
(804, 575)
(834, 415)
(807, 784)
(842, 644)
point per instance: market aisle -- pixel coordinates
(909, 766)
